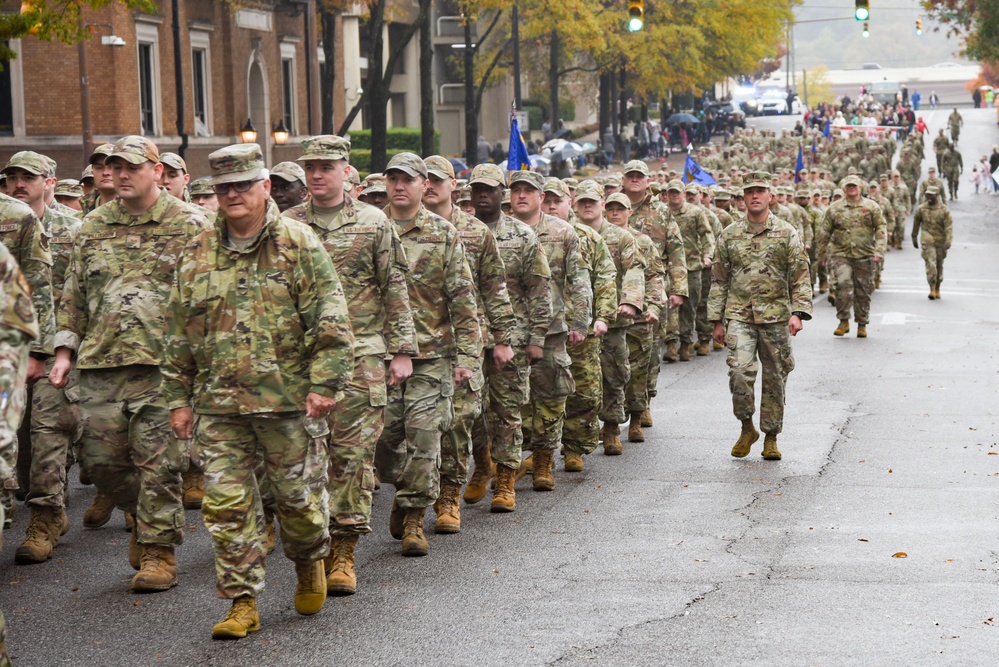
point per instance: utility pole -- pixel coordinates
(515, 39)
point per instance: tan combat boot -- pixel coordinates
(543, 478)
(823, 286)
(310, 593)
(526, 468)
(396, 519)
(573, 461)
(194, 489)
(646, 420)
(686, 351)
(717, 345)
(933, 292)
(635, 428)
(936, 291)
(843, 328)
(504, 495)
(447, 509)
(339, 565)
(861, 331)
(129, 521)
(159, 569)
(612, 439)
(484, 470)
(99, 512)
(746, 439)
(671, 354)
(414, 542)
(45, 527)
(770, 451)
(241, 619)
(703, 348)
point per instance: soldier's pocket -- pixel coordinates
(377, 394)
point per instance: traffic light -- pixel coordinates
(863, 10)
(636, 15)
(866, 33)
(919, 26)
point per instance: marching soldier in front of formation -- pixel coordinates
(259, 347)
(940, 147)
(442, 300)
(760, 293)
(112, 316)
(955, 122)
(932, 225)
(853, 233)
(507, 387)
(55, 413)
(572, 305)
(952, 166)
(496, 321)
(932, 180)
(371, 266)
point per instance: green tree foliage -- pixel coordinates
(975, 21)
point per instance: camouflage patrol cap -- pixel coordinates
(883, 177)
(675, 185)
(895, 172)
(757, 179)
(461, 182)
(101, 152)
(722, 194)
(238, 162)
(802, 193)
(852, 179)
(173, 161)
(135, 150)
(288, 171)
(932, 190)
(636, 165)
(353, 177)
(613, 181)
(837, 191)
(932, 170)
(68, 187)
(656, 187)
(852, 171)
(556, 187)
(589, 190)
(374, 187)
(31, 162)
(693, 187)
(201, 186)
(408, 163)
(506, 196)
(465, 194)
(487, 174)
(440, 167)
(325, 147)
(88, 173)
(532, 178)
(374, 178)
(619, 198)
(737, 192)
(874, 184)
(571, 183)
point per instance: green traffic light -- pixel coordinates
(635, 24)
(862, 13)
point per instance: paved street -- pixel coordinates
(672, 554)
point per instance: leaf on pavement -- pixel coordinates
(900, 554)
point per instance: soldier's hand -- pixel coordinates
(575, 338)
(707, 262)
(794, 325)
(718, 333)
(318, 406)
(502, 354)
(675, 301)
(534, 354)
(461, 374)
(60, 369)
(36, 370)
(627, 311)
(915, 242)
(182, 423)
(599, 328)
(400, 368)
(651, 318)
(876, 258)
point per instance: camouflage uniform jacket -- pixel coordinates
(441, 293)
(886, 209)
(941, 189)
(760, 278)
(934, 222)
(62, 231)
(601, 271)
(940, 144)
(900, 199)
(255, 331)
(572, 297)
(630, 270)
(371, 266)
(713, 220)
(65, 210)
(527, 279)
(24, 235)
(698, 239)
(113, 306)
(652, 218)
(855, 231)
(724, 218)
(16, 311)
(802, 223)
(496, 319)
(655, 272)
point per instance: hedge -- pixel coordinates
(360, 158)
(398, 139)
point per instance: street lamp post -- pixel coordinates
(86, 130)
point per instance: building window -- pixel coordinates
(6, 101)
(12, 93)
(147, 41)
(288, 75)
(201, 75)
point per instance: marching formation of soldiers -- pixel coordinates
(271, 345)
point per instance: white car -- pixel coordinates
(772, 101)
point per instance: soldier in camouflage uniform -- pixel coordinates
(288, 185)
(581, 430)
(952, 166)
(496, 321)
(371, 266)
(112, 315)
(55, 414)
(527, 280)
(874, 193)
(442, 299)
(175, 177)
(933, 225)
(902, 203)
(955, 122)
(259, 346)
(572, 307)
(760, 293)
(18, 327)
(853, 232)
(103, 191)
(202, 194)
(932, 180)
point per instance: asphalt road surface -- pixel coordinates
(672, 554)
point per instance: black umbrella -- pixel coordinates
(681, 118)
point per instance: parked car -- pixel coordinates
(745, 98)
(885, 92)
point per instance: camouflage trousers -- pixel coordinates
(581, 432)
(13, 375)
(506, 391)
(771, 344)
(419, 411)
(295, 467)
(671, 326)
(551, 381)
(665, 330)
(953, 178)
(933, 257)
(692, 328)
(854, 280)
(636, 393)
(456, 444)
(55, 427)
(356, 424)
(899, 229)
(616, 371)
(130, 450)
